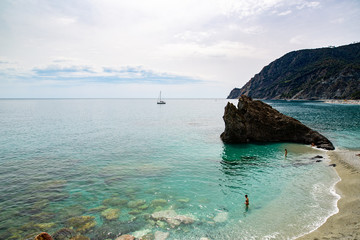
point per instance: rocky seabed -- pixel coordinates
(117, 218)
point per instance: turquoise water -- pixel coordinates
(66, 158)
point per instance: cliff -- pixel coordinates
(324, 73)
(256, 121)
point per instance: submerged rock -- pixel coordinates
(97, 209)
(158, 202)
(136, 203)
(143, 207)
(110, 230)
(221, 217)
(44, 226)
(176, 221)
(126, 237)
(149, 236)
(183, 200)
(161, 224)
(141, 233)
(115, 201)
(42, 216)
(256, 121)
(162, 215)
(64, 234)
(111, 213)
(30, 236)
(29, 227)
(81, 224)
(80, 237)
(72, 211)
(171, 217)
(161, 235)
(135, 212)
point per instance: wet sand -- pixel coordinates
(346, 223)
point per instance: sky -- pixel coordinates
(136, 48)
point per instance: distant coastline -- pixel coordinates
(331, 101)
(342, 101)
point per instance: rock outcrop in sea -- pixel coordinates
(256, 121)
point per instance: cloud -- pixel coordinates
(247, 8)
(65, 60)
(307, 4)
(127, 74)
(299, 39)
(247, 29)
(193, 36)
(4, 61)
(58, 70)
(337, 20)
(285, 13)
(65, 20)
(221, 49)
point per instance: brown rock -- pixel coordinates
(43, 236)
(256, 121)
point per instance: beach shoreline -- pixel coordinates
(345, 224)
(343, 101)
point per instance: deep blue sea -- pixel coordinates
(103, 167)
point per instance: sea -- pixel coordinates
(101, 168)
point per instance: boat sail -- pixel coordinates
(160, 101)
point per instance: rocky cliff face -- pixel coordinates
(255, 121)
(325, 73)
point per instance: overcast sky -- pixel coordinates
(135, 48)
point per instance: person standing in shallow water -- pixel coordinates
(285, 152)
(246, 205)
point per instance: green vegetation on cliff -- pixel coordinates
(324, 73)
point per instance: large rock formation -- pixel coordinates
(255, 121)
(324, 73)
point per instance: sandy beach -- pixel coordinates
(346, 223)
(334, 101)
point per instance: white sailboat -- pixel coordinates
(160, 101)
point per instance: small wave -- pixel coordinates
(334, 210)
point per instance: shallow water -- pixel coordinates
(67, 158)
